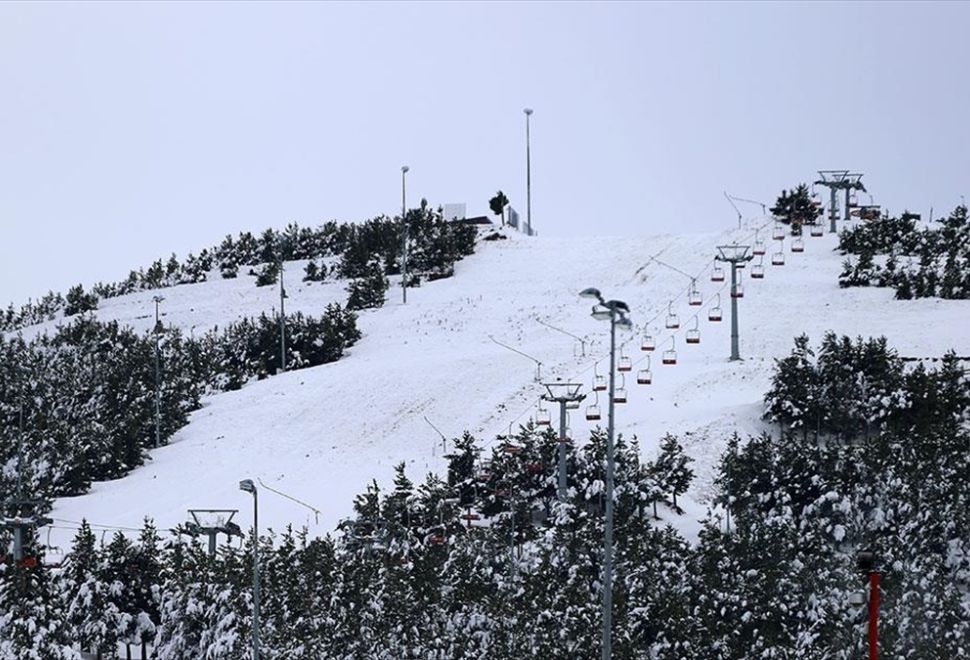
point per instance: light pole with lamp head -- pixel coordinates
(528, 172)
(248, 486)
(614, 311)
(404, 226)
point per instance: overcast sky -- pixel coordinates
(129, 131)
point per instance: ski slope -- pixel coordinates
(322, 434)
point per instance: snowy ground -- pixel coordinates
(322, 434)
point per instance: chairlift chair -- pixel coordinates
(644, 376)
(797, 245)
(694, 334)
(737, 291)
(817, 230)
(714, 314)
(778, 259)
(599, 381)
(623, 362)
(543, 416)
(593, 410)
(670, 355)
(778, 232)
(619, 394)
(717, 275)
(758, 269)
(759, 247)
(648, 343)
(694, 298)
(673, 321)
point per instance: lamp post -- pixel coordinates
(158, 375)
(248, 486)
(528, 173)
(404, 240)
(614, 311)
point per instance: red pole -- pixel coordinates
(873, 615)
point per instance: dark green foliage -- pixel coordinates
(78, 302)
(369, 290)
(434, 247)
(268, 273)
(314, 273)
(87, 392)
(919, 262)
(795, 208)
(498, 203)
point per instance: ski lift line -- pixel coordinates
(97, 525)
(581, 340)
(316, 511)
(437, 430)
(515, 350)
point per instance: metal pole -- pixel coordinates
(847, 199)
(562, 450)
(874, 615)
(212, 543)
(158, 385)
(735, 352)
(528, 173)
(255, 575)
(282, 318)
(608, 533)
(404, 243)
(833, 210)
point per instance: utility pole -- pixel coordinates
(404, 233)
(528, 173)
(564, 394)
(158, 375)
(282, 309)
(737, 256)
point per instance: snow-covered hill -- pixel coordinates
(322, 434)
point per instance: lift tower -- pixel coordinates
(836, 180)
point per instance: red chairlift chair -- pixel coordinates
(694, 298)
(670, 355)
(714, 314)
(673, 321)
(619, 394)
(694, 334)
(717, 275)
(797, 245)
(644, 376)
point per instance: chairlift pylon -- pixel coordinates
(670, 355)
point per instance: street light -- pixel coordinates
(158, 330)
(528, 173)
(404, 240)
(614, 311)
(248, 486)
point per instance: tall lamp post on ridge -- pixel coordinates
(614, 311)
(248, 486)
(404, 240)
